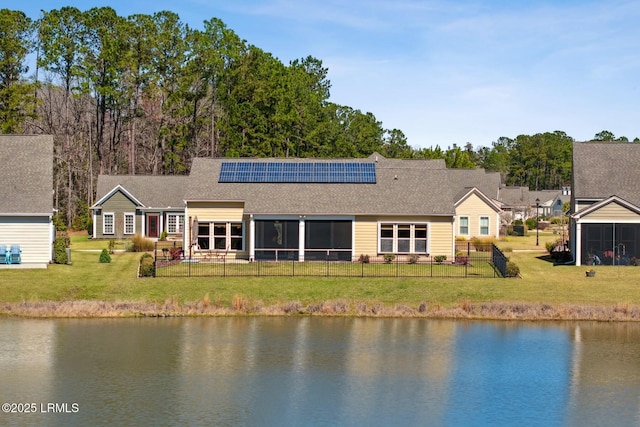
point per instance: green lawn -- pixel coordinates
(541, 282)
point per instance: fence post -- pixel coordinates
(155, 258)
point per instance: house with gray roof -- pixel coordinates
(304, 209)
(477, 211)
(130, 204)
(404, 207)
(26, 197)
(605, 203)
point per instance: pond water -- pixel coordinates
(317, 371)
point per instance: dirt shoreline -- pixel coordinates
(463, 310)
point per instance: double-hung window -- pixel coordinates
(107, 223)
(484, 225)
(129, 223)
(402, 238)
(175, 223)
(464, 226)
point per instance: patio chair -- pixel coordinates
(4, 256)
(15, 255)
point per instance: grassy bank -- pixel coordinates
(89, 288)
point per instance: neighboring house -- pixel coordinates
(477, 211)
(26, 197)
(515, 202)
(305, 209)
(556, 205)
(130, 204)
(605, 203)
(521, 203)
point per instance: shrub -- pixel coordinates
(483, 244)
(364, 259)
(59, 222)
(518, 222)
(163, 236)
(60, 246)
(176, 252)
(388, 258)
(146, 265)
(440, 258)
(413, 259)
(531, 223)
(512, 269)
(105, 258)
(139, 243)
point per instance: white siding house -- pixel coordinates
(26, 197)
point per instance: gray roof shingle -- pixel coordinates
(26, 174)
(421, 188)
(603, 169)
(157, 191)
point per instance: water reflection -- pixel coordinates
(321, 371)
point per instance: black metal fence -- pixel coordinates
(470, 261)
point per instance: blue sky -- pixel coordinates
(447, 72)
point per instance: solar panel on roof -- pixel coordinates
(298, 172)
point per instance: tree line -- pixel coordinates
(145, 94)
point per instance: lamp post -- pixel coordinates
(537, 219)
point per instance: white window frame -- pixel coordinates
(460, 233)
(227, 236)
(484, 217)
(105, 225)
(412, 239)
(131, 215)
(179, 223)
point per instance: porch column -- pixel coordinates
(576, 243)
(252, 238)
(301, 242)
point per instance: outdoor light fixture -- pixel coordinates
(537, 219)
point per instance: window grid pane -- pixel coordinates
(129, 227)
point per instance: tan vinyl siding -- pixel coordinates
(223, 211)
(366, 236)
(439, 232)
(473, 208)
(220, 211)
(441, 236)
(33, 234)
(612, 212)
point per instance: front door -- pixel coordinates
(153, 222)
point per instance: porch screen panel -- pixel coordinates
(328, 237)
(276, 239)
(611, 243)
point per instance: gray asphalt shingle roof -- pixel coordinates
(420, 188)
(465, 179)
(603, 169)
(153, 191)
(26, 174)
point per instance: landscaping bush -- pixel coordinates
(531, 223)
(163, 236)
(139, 243)
(512, 269)
(60, 246)
(105, 258)
(388, 258)
(364, 259)
(176, 252)
(146, 265)
(483, 244)
(413, 259)
(440, 258)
